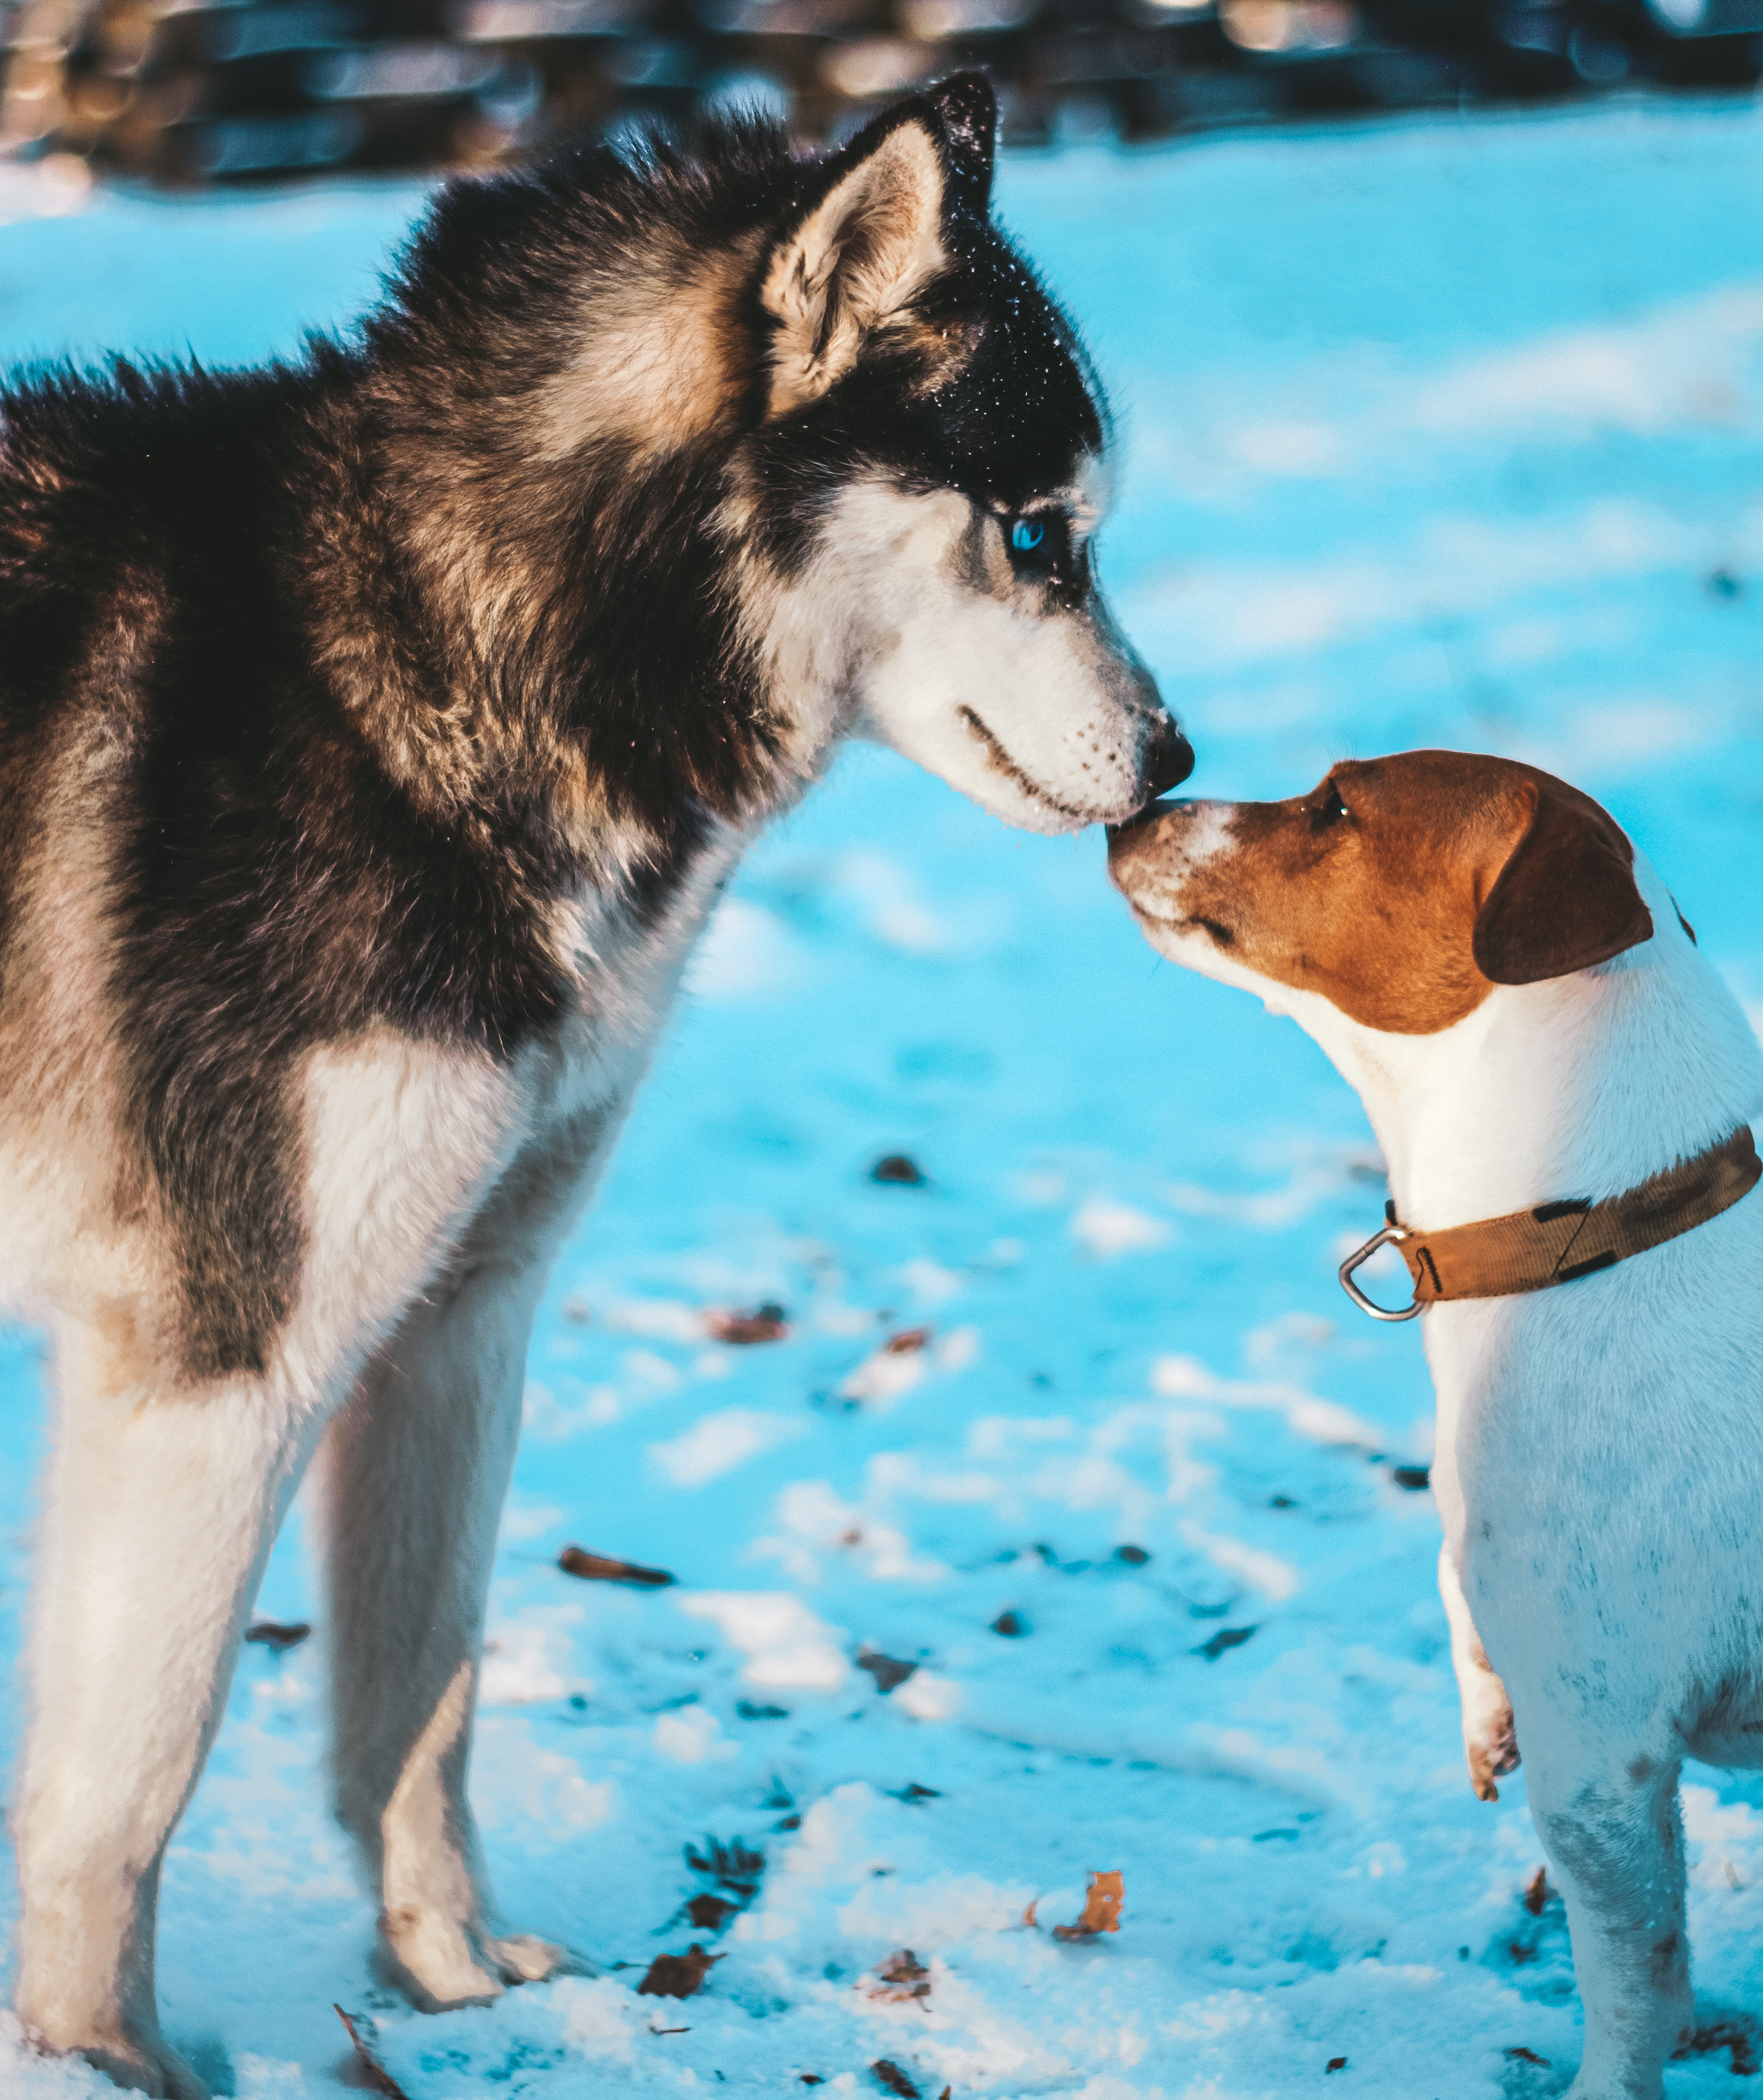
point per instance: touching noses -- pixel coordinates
(1169, 759)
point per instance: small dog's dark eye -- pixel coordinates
(1328, 808)
(1026, 535)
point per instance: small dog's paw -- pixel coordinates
(1493, 1752)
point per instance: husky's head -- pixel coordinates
(703, 457)
(932, 471)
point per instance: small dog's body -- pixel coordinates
(1528, 1021)
(376, 737)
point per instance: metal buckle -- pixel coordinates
(1390, 1234)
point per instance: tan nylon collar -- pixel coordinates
(1555, 1243)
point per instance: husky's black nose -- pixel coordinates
(1171, 759)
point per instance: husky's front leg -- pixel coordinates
(412, 1476)
(1490, 1740)
(163, 1504)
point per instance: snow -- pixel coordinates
(1441, 431)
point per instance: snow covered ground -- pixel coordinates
(1433, 432)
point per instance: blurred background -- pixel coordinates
(191, 91)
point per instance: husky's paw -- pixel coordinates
(147, 2065)
(441, 1965)
(523, 1957)
(1493, 1751)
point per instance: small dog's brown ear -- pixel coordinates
(1566, 898)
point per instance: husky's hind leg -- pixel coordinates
(163, 1502)
(412, 1476)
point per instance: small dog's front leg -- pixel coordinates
(1490, 1738)
(161, 1509)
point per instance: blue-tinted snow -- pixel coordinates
(1445, 432)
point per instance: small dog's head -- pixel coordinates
(1401, 891)
(930, 466)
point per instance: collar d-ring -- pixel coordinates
(1391, 1235)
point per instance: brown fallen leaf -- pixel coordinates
(887, 1670)
(1028, 1914)
(1226, 1639)
(1339, 2063)
(1010, 1624)
(905, 1341)
(360, 2033)
(897, 1169)
(1536, 1892)
(678, 1976)
(743, 1330)
(270, 1634)
(1528, 2056)
(711, 1913)
(596, 1567)
(735, 1866)
(894, 2078)
(1102, 1908)
(1739, 2035)
(900, 1978)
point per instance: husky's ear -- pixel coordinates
(873, 239)
(1566, 898)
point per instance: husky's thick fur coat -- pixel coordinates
(377, 733)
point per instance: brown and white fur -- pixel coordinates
(376, 733)
(1527, 1017)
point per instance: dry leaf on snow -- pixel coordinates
(894, 2078)
(270, 1634)
(678, 1976)
(743, 1330)
(596, 1567)
(887, 1670)
(900, 1978)
(1101, 1908)
(361, 2032)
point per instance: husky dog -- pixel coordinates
(378, 732)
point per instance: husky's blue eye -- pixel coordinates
(1026, 535)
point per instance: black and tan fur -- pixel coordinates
(375, 734)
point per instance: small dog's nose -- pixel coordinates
(1170, 759)
(1122, 837)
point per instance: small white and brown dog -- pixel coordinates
(1559, 1081)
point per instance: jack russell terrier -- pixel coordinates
(1563, 1087)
